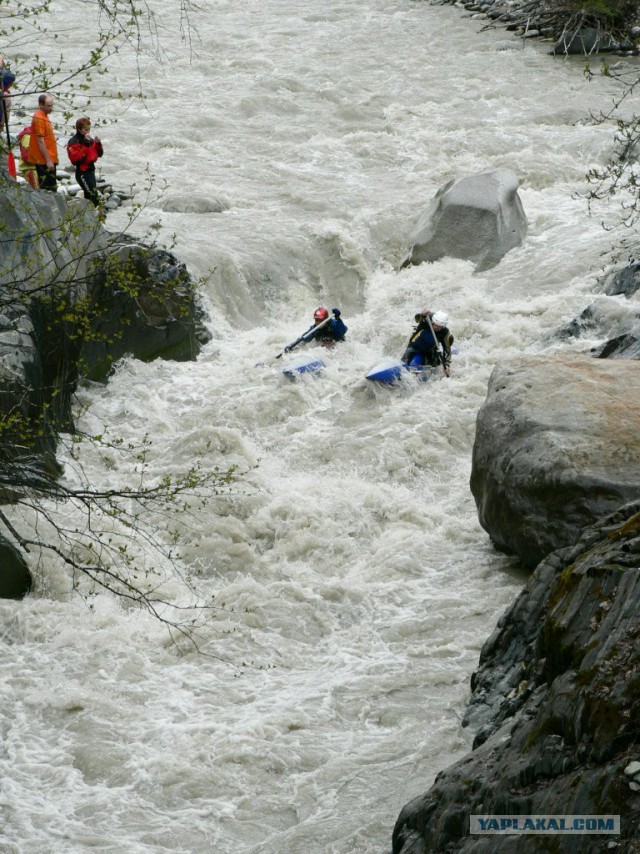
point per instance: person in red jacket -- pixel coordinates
(83, 150)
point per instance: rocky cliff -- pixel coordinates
(74, 298)
(555, 703)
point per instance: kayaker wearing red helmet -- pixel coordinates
(326, 329)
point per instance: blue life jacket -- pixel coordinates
(6, 79)
(335, 330)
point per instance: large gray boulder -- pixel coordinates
(623, 280)
(558, 685)
(557, 446)
(479, 219)
(153, 314)
(611, 322)
(86, 296)
(45, 240)
(585, 41)
(24, 396)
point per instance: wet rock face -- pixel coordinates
(15, 579)
(134, 299)
(613, 324)
(479, 219)
(75, 298)
(157, 318)
(557, 446)
(556, 699)
(45, 240)
(625, 280)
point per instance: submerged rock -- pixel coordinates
(625, 280)
(615, 325)
(479, 219)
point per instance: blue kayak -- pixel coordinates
(391, 371)
(303, 364)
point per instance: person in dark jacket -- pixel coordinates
(431, 341)
(83, 150)
(6, 79)
(328, 331)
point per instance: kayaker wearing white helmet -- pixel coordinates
(430, 343)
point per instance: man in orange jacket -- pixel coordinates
(43, 147)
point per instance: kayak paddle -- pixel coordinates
(439, 347)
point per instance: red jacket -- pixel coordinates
(83, 154)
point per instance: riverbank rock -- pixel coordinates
(15, 578)
(557, 446)
(585, 41)
(28, 438)
(47, 241)
(145, 307)
(75, 299)
(84, 298)
(556, 695)
(479, 219)
(625, 280)
(581, 31)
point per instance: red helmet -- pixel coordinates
(320, 314)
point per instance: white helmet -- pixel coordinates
(440, 317)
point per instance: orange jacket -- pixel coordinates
(42, 127)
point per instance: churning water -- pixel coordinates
(299, 143)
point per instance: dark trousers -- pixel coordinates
(87, 181)
(47, 179)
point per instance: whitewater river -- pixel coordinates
(354, 587)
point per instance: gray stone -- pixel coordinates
(611, 319)
(479, 219)
(623, 281)
(195, 203)
(560, 744)
(586, 41)
(57, 256)
(557, 446)
(46, 240)
(15, 578)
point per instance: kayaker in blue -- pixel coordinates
(326, 331)
(431, 341)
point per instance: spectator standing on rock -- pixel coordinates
(43, 147)
(6, 79)
(84, 150)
